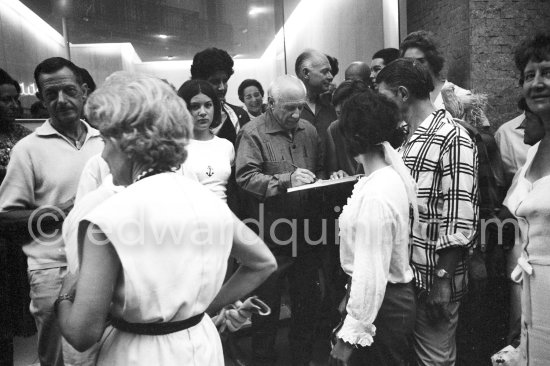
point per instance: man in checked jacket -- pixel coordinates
(443, 160)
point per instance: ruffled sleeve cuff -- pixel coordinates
(356, 332)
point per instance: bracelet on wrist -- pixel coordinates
(61, 298)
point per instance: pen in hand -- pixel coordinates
(297, 167)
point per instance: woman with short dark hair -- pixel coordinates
(251, 94)
(374, 240)
(529, 201)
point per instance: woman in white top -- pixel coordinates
(153, 256)
(529, 201)
(374, 240)
(210, 159)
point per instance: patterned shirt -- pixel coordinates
(443, 160)
(8, 139)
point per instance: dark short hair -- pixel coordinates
(409, 73)
(245, 84)
(346, 89)
(367, 119)
(87, 78)
(536, 49)
(387, 54)
(54, 64)
(333, 62)
(425, 41)
(210, 60)
(193, 87)
(5, 78)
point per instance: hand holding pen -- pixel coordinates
(301, 176)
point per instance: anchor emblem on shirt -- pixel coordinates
(210, 172)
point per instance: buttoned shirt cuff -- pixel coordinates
(284, 181)
(356, 332)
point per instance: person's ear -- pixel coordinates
(305, 72)
(270, 102)
(39, 96)
(403, 93)
(85, 90)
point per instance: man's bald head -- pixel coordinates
(313, 68)
(358, 70)
(286, 97)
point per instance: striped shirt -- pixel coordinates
(442, 158)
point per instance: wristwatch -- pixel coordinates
(442, 274)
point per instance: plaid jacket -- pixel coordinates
(442, 159)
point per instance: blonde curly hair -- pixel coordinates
(467, 107)
(145, 115)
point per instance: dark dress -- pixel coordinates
(15, 318)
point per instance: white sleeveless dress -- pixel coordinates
(173, 237)
(530, 203)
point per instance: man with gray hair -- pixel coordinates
(276, 151)
(313, 68)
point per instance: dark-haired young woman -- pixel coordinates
(374, 240)
(210, 158)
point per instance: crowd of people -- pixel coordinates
(157, 222)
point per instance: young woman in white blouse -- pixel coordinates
(210, 158)
(374, 240)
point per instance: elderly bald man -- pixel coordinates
(313, 68)
(276, 151)
(358, 70)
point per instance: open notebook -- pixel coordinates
(325, 183)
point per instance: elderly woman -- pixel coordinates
(251, 94)
(374, 246)
(530, 202)
(153, 256)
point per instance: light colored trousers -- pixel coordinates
(45, 285)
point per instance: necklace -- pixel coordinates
(152, 171)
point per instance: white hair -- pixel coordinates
(275, 89)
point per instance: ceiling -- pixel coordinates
(170, 29)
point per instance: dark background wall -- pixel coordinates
(478, 38)
(449, 21)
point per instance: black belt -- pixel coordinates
(156, 328)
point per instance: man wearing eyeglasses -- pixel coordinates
(276, 151)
